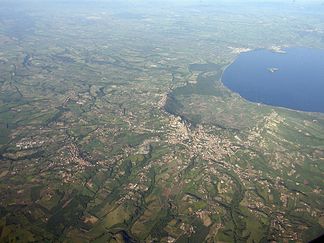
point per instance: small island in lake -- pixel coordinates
(272, 70)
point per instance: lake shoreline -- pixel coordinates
(302, 107)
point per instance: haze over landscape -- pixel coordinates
(161, 121)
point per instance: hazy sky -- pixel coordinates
(175, 1)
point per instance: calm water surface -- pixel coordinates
(293, 80)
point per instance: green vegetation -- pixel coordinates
(115, 127)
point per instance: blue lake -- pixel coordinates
(293, 80)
